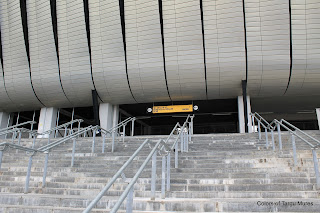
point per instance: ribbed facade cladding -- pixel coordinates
(197, 51)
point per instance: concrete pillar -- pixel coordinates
(318, 116)
(4, 116)
(115, 115)
(241, 115)
(47, 121)
(106, 115)
(249, 116)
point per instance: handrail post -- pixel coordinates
(132, 127)
(259, 129)
(19, 139)
(45, 169)
(26, 189)
(181, 141)
(1, 154)
(79, 123)
(272, 138)
(163, 178)
(176, 155)
(279, 136)
(124, 132)
(93, 139)
(34, 141)
(267, 141)
(13, 136)
(73, 151)
(253, 124)
(168, 171)
(129, 201)
(65, 132)
(186, 141)
(112, 145)
(153, 176)
(295, 161)
(316, 168)
(103, 142)
(189, 131)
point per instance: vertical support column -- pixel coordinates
(132, 127)
(259, 130)
(267, 141)
(57, 123)
(250, 127)
(45, 169)
(241, 115)
(1, 153)
(318, 116)
(163, 178)
(245, 108)
(103, 142)
(295, 160)
(26, 188)
(9, 121)
(93, 139)
(279, 136)
(253, 124)
(124, 132)
(129, 201)
(316, 167)
(73, 151)
(153, 176)
(106, 116)
(168, 171)
(272, 138)
(71, 126)
(4, 122)
(47, 121)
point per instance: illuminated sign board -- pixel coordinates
(172, 109)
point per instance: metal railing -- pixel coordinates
(45, 150)
(164, 150)
(294, 131)
(17, 125)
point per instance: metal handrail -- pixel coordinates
(294, 133)
(60, 126)
(21, 124)
(114, 178)
(153, 154)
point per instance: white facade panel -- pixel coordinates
(74, 52)
(144, 55)
(16, 67)
(43, 56)
(182, 23)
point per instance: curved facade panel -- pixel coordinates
(74, 52)
(43, 56)
(6, 103)
(15, 60)
(268, 42)
(305, 76)
(144, 51)
(225, 47)
(184, 49)
(108, 59)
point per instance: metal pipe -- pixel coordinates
(272, 138)
(5, 137)
(65, 132)
(45, 169)
(267, 141)
(135, 178)
(34, 113)
(73, 151)
(103, 142)
(71, 127)
(132, 127)
(124, 132)
(168, 171)
(19, 138)
(316, 168)
(295, 161)
(279, 136)
(114, 178)
(153, 176)
(34, 141)
(26, 188)
(253, 124)
(1, 154)
(181, 140)
(93, 140)
(129, 201)
(176, 156)
(259, 129)
(163, 178)
(57, 124)
(112, 145)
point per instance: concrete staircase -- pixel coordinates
(220, 173)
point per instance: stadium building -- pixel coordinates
(108, 60)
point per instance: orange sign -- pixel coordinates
(172, 109)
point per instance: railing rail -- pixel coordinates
(65, 125)
(312, 142)
(164, 150)
(17, 125)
